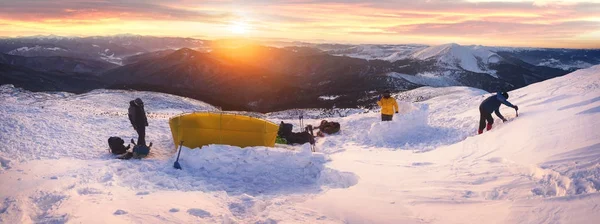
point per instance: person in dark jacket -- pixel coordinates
(492, 104)
(138, 119)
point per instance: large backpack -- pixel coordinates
(285, 129)
(285, 132)
(116, 145)
(329, 127)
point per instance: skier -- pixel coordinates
(138, 119)
(388, 106)
(492, 104)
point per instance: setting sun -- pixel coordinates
(239, 27)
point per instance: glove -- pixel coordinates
(516, 108)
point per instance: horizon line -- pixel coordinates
(288, 40)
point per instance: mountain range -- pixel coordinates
(263, 77)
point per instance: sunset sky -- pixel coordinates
(540, 23)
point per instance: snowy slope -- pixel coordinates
(470, 58)
(426, 166)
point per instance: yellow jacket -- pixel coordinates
(388, 106)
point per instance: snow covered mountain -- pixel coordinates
(298, 73)
(57, 64)
(372, 51)
(472, 58)
(452, 56)
(112, 49)
(427, 165)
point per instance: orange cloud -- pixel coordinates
(540, 23)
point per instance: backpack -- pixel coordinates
(141, 150)
(116, 145)
(329, 127)
(285, 132)
(285, 129)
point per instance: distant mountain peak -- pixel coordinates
(470, 58)
(434, 51)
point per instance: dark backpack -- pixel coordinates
(329, 127)
(116, 145)
(141, 150)
(285, 132)
(285, 129)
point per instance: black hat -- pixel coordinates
(387, 94)
(138, 101)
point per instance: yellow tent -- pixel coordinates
(199, 129)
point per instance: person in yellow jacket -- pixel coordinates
(388, 106)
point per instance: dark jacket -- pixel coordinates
(492, 104)
(137, 115)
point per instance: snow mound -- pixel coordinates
(411, 130)
(250, 170)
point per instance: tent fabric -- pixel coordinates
(200, 129)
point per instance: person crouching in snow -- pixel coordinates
(492, 104)
(137, 117)
(388, 106)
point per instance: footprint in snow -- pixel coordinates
(89, 191)
(174, 210)
(120, 212)
(143, 193)
(268, 221)
(198, 213)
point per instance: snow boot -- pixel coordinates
(480, 131)
(489, 127)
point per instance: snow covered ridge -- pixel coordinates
(375, 52)
(331, 97)
(427, 165)
(38, 48)
(426, 79)
(471, 58)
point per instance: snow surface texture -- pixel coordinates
(425, 166)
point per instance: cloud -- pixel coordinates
(28, 10)
(498, 29)
(386, 20)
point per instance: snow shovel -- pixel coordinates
(177, 165)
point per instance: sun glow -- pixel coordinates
(239, 27)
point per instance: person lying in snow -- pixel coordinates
(138, 119)
(388, 106)
(492, 104)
